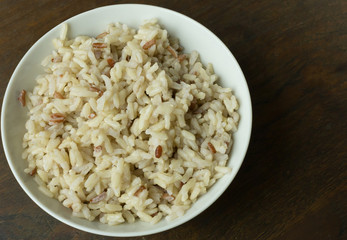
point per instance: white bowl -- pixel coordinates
(193, 36)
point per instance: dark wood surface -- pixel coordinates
(293, 183)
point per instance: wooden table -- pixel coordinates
(293, 183)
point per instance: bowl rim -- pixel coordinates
(68, 222)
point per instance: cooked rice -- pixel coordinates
(126, 126)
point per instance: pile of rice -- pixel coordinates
(126, 126)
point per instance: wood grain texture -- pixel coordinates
(293, 183)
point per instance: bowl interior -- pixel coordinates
(193, 36)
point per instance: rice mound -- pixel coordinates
(126, 126)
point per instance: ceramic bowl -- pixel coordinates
(193, 36)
